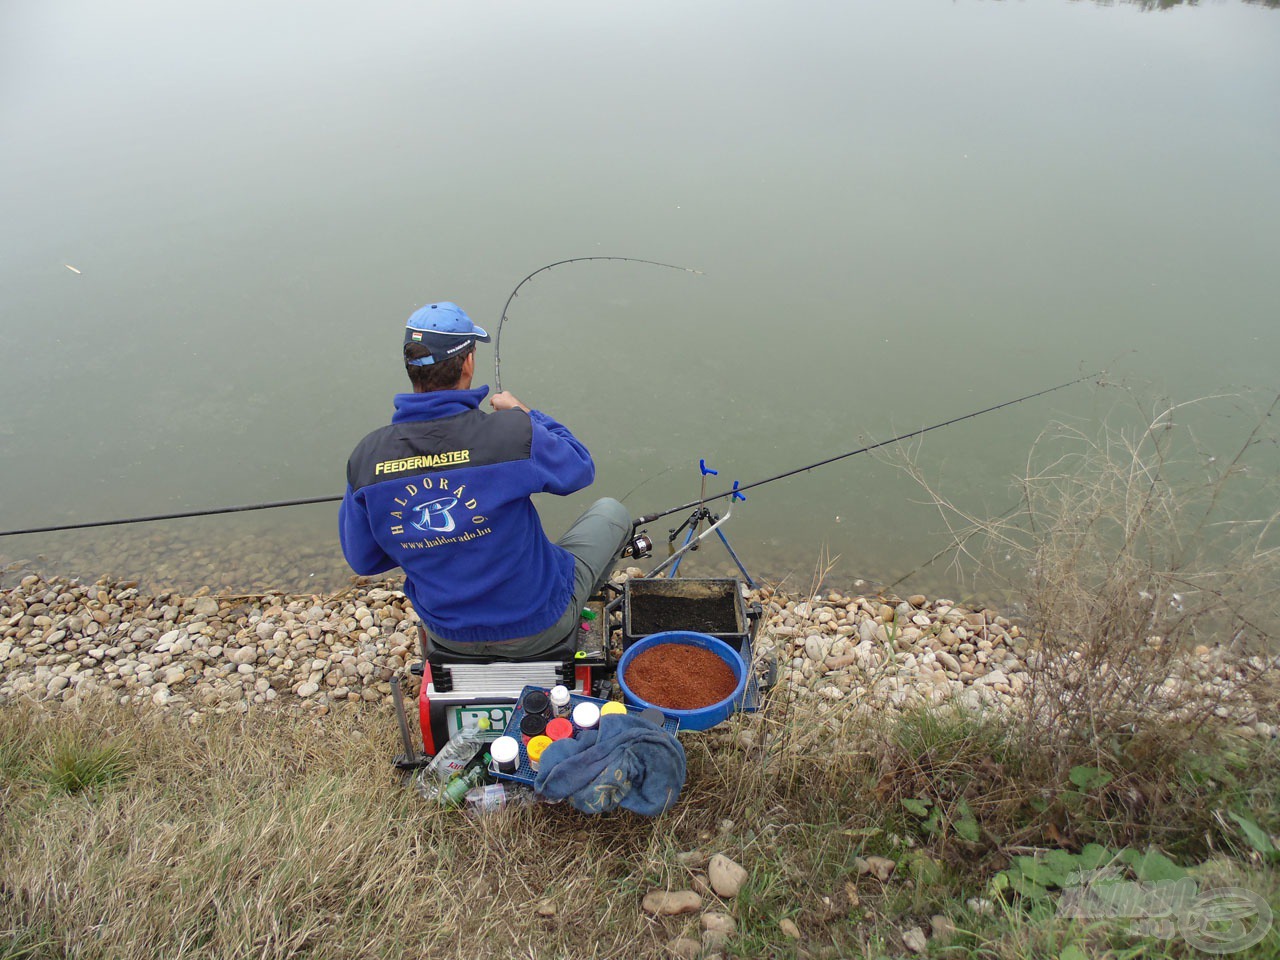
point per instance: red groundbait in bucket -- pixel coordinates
(676, 669)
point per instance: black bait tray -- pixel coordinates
(524, 773)
(711, 606)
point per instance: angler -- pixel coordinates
(444, 493)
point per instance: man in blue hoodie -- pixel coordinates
(444, 493)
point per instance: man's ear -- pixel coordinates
(469, 365)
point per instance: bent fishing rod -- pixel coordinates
(648, 518)
(497, 337)
(737, 490)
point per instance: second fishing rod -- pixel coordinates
(641, 544)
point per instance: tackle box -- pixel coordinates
(455, 688)
(524, 773)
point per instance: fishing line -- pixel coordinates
(623, 498)
(497, 338)
(738, 489)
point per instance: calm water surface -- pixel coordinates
(903, 211)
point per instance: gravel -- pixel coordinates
(66, 642)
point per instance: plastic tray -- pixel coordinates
(525, 773)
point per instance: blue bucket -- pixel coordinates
(704, 717)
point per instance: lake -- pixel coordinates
(218, 216)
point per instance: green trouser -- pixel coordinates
(596, 540)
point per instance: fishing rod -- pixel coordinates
(648, 518)
(737, 489)
(171, 516)
(497, 337)
(210, 513)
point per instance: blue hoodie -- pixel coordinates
(443, 492)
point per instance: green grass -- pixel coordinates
(1013, 932)
(15, 756)
(27, 944)
(765, 900)
(73, 767)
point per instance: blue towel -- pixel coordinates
(629, 762)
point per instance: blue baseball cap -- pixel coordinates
(444, 329)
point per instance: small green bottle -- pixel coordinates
(456, 790)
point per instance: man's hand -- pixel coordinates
(507, 401)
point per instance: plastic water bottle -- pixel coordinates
(460, 750)
(484, 798)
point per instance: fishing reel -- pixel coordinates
(639, 546)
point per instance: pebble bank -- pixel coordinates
(68, 643)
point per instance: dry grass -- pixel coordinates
(274, 837)
(1134, 560)
(270, 836)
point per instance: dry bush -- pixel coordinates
(1145, 569)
